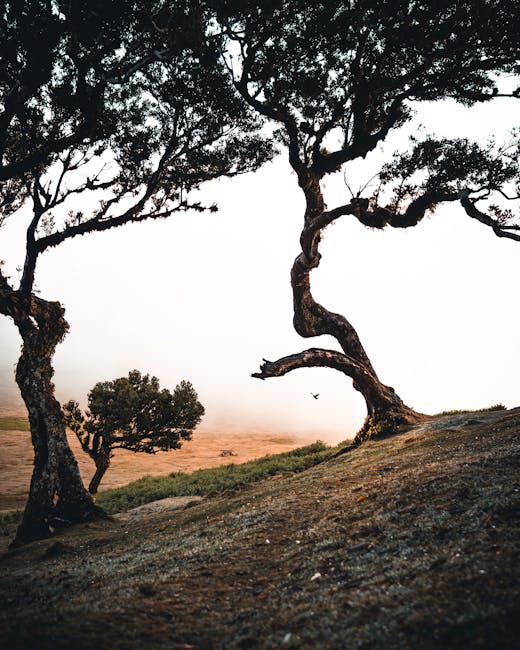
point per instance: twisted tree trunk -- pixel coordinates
(387, 413)
(57, 495)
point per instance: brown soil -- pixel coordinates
(408, 542)
(16, 459)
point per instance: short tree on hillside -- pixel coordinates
(133, 413)
(337, 78)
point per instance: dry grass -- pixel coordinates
(14, 423)
(17, 455)
(408, 542)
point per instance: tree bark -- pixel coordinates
(57, 495)
(386, 411)
(102, 461)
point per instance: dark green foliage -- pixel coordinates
(127, 78)
(74, 71)
(133, 413)
(378, 428)
(216, 479)
(7, 519)
(338, 77)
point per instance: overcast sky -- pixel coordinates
(204, 297)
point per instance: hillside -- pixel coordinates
(408, 542)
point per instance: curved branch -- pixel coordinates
(309, 359)
(98, 223)
(311, 318)
(500, 229)
(364, 379)
(379, 217)
(364, 141)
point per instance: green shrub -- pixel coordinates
(494, 407)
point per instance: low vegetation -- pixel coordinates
(203, 482)
(487, 409)
(11, 423)
(7, 520)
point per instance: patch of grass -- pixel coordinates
(9, 521)
(216, 479)
(494, 407)
(11, 423)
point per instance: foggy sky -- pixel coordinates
(204, 297)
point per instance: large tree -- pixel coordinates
(133, 413)
(112, 113)
(337, 78)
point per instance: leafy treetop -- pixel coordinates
(338, 77)
(134, 413)
(118, 102)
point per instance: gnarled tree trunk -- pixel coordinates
(57, 495)
(386, 410)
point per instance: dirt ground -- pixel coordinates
(16, 458)
(408, 542)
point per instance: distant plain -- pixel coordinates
(16, 457)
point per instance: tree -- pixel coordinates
(336, 78)
(120, 107)
(133, 413)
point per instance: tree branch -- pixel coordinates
(500, 230)
(98, 223)
(363, 140)
(40, 155)
(309, 359)
(31, 249)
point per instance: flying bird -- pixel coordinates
(315, 396)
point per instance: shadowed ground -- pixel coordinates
(408, 542)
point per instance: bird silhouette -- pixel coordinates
(315, 396)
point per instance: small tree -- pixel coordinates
(133, 413)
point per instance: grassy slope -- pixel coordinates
(216, 479)
(409, 542)
(202, 482)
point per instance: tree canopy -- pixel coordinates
(112, 113)
(337, 78)
(133, 413)
(117, 112)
